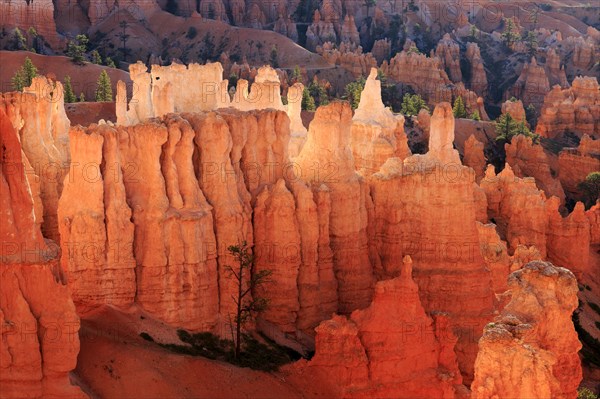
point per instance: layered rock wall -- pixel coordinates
(39, 339)
(443, 245)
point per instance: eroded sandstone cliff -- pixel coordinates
(530, 350)
(39, 339)
(392, 349)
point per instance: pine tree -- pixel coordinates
(507, 127)
(274, 57)
(412, 104)
(68, 90)
(246, 300)
(81, 97)
(308, 102)
(510, 34)
(76, 49)
(96, 59)
(24, 75)
(459, 109)
(123, 36)
(296, 75)
(109, 62)
(318, 92)
(32, 35)
(590, 189)
(475, 116)
(531, 42)
(19, 41)
(18, 80)
(233, 81)
(354, 91)
(30, 71)
(103, 89)
(473, 32)
(531, 115)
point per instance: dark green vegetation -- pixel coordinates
(590, 188)
(264, 356)
(24, 75)
(507, 127)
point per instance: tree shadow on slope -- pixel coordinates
(264, 356)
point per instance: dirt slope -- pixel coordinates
(114, 362)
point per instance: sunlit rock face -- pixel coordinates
(38, 115)
(145, 209)
(40, 339)
(444, 245)
(377, 133)
(530, 350)
(371, 353)
(575, 109)
(327, 159)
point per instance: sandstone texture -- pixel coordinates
(576, 163)
(529, 159)
(392, 349)
(573, 110)
(532, 84)
(530, 350)
(443, 245)
(474, 156)
(377, 133)
(38, 115)
(40, 341)
(142, 213)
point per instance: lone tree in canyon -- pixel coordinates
(247, 305)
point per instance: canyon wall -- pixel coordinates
(575, 164)
(443, 245)
(150, 205)
(39, 341)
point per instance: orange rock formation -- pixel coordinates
(531, 348)
(392, 349)
(40, 341)
(377, 134)
(574, 109)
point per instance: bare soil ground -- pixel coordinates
(115, 362)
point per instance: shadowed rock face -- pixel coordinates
(530, 350)
(529, 159)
